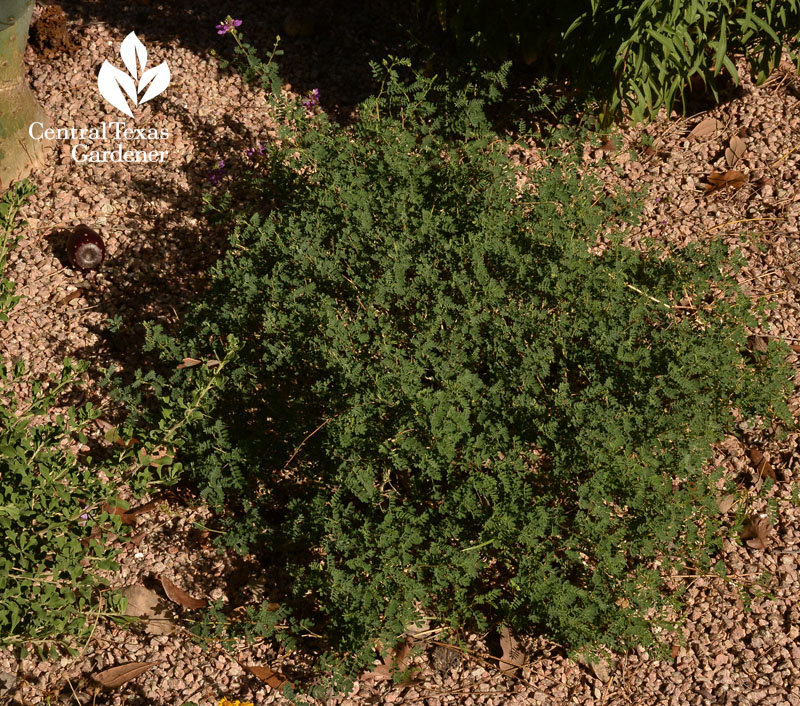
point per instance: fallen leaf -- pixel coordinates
(117, 676)
(213, 363)
(761, 464)
(675, 651)
(725, 503)
(269, 676)
(513, 657)
(111, 434)
(72, 295)
(705, 128)
(124, 517)
(736, 148)
(756, 532)
(795, 348)
(188, 363)
(136, 540)
(144, 603)
(394, 660)
(608, 145)
(758, 343)
(791, 279)
(599, 666)
(104, 425)
(154, 456)
(147, 507)
(718, 180)
(180, 596)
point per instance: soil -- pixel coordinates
(49, 34)
(738, 641)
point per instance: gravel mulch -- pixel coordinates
(738, 641)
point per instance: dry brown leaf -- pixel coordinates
(600, 666)
(758, 343)
(394, 660)
(188, 363)
(111, 434)
(736, 148)
(144, 603)
(608, 145)
(601, 669)
(513, 657)
(795, 348)
(213, 363)
(269, 676)
(142, 509)
(136, 540)
(718, 180)
(705, 128)
(756, 532)
(117, 676)
(761, 464)
(725, 503)
(675, 651)
(156, 454)
(104, 425)
(124, 516)
(180, 596)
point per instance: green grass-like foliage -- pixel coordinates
(639, 54)
(445, 404)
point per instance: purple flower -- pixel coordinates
(311, 99)
(228, 25)
(255, 150)
(215, 176)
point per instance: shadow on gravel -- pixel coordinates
(328, 43)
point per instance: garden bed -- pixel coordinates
(737, 643)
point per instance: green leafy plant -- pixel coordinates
(50, 502)
(457, 398)
(638, 55)
(56, 500)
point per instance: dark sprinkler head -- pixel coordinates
(85, 248)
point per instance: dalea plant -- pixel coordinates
(448, 406)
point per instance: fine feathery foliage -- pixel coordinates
(446, 403)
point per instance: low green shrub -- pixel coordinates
(635, 54)
(447, 405)
(54, 501)
(49, 500)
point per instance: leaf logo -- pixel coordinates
(115, 85)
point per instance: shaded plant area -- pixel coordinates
(636, 56)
